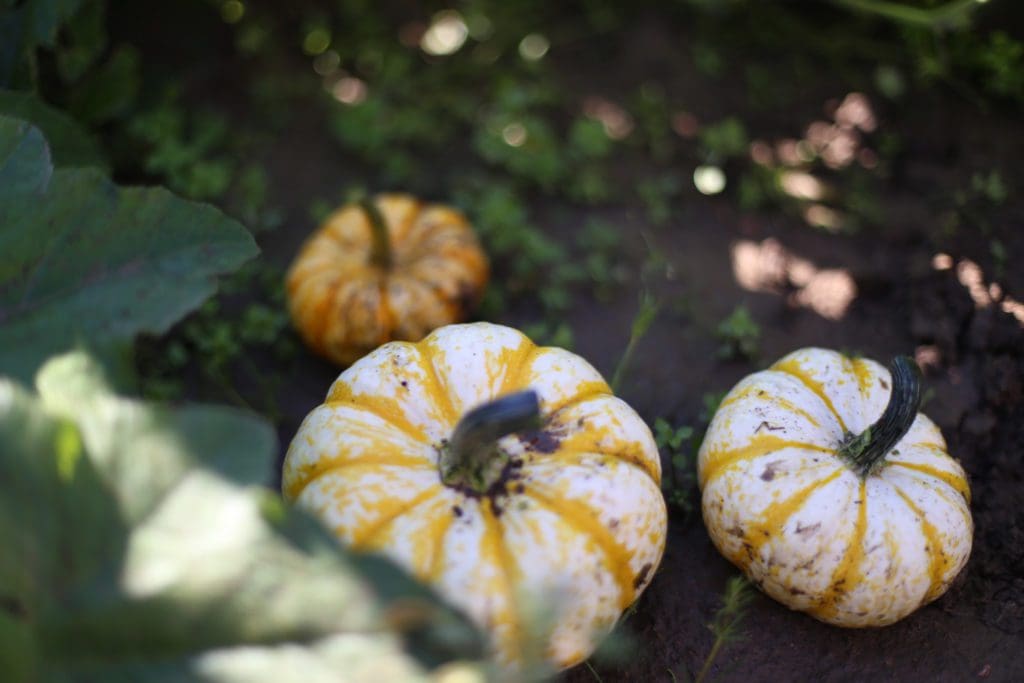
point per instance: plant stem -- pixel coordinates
(709, 660)
(867, 450)
(472, 458)
(380, 251)
(951, 14)
(641, 323)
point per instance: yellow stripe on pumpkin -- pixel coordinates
(937, 558)
(848, 573)
(584, 392)
(862, 371)
(494, 551)
(757, 392)
(428, 545)
(436, 392)
(773, 520)
(389, 509)
(619, 453)
(518, 361)
(310, 472)
(760, 444)
(586, 520)
(956, 482)
(793, 367)
(387, 409)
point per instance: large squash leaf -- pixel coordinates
(86, 262)
(25, 168)
(190, 576)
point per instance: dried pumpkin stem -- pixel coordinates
(867, 450)
(380, 251)
(471, 458)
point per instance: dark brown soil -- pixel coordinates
(975, 379)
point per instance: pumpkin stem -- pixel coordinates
(471, 458)
(380, 251)
(867, 450)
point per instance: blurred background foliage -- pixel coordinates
(494, 106)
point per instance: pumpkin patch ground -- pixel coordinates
(679, 195)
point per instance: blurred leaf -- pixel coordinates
(85, 260)
(25, 168)
(12, 43)
(56, 526)
(236, 445)
(31, 24)
(44, 17)
(126, 559)
(109, 90)
(83, 41)
(72, 145)
(588, 139)
(725, 139)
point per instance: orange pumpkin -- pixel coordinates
(383, 269)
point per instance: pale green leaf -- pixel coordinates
(236, 444)
(192, 576)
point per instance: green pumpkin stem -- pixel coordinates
(867, 450)
(380, 251)
(471, 458)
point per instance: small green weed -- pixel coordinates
(551, 334)
(711, 400)
(676, 442)
(740, 335)
(725, 625)
(601, 244)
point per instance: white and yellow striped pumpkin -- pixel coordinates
(559, 526)
(822, 482)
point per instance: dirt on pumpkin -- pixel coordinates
(917, 288)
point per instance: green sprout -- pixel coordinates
(739, 334)
(725, 625)
(677, 443)
(645, 316)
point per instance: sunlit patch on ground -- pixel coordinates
(769, 267)
(984, 294)
(799, 165)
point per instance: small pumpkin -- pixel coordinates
(505, 475)
(383, 269)
(825, 485)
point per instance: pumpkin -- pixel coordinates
(505, 475)
(825, 485)
(383, 269)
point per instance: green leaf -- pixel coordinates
(25, 27)
(54, 528)
(108, 91)
(191, 576)
(87, 260)
(24, 160)
(237, 445)
(44, 17)
(71, 144)
(12, 43)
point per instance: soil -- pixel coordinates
(903, 304)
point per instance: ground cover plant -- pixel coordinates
(678, 193)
